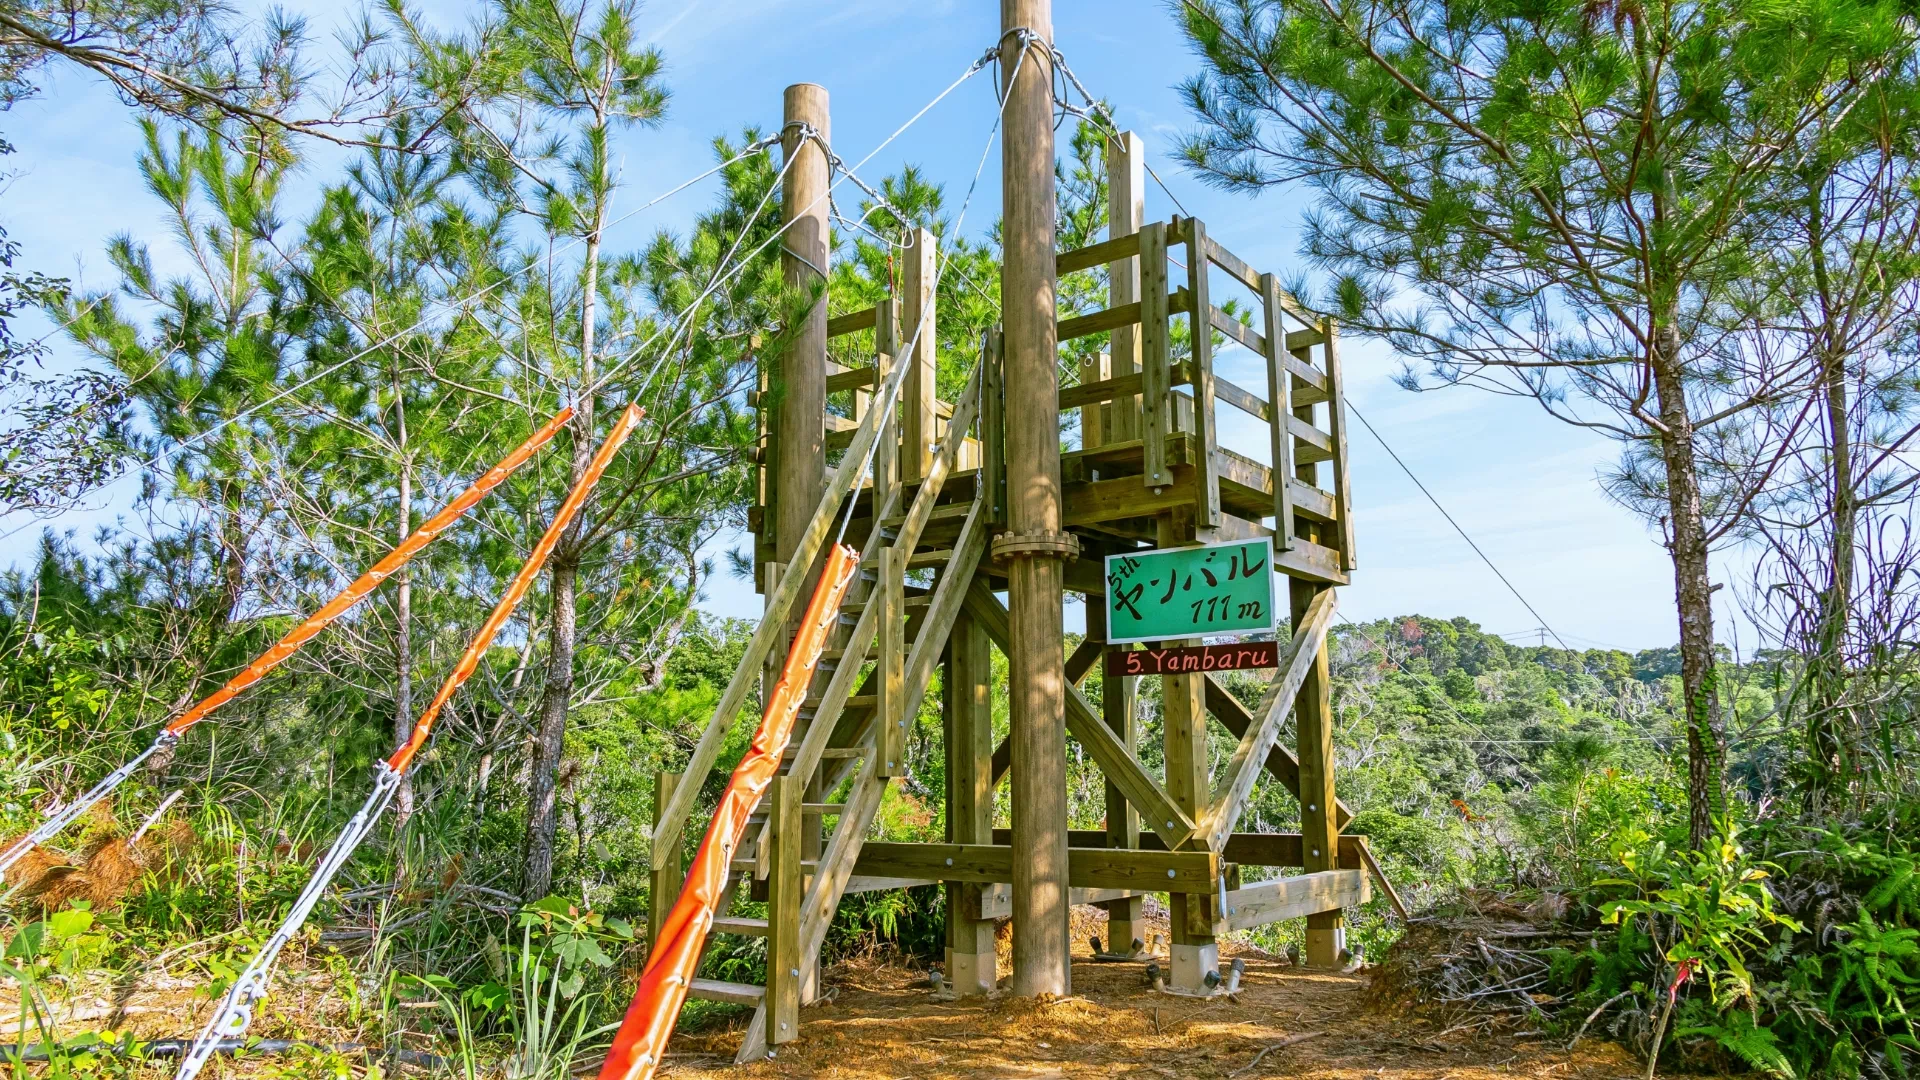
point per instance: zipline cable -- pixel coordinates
(295, 638)
(1456, 525)
(235, 1014)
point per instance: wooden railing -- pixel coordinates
(1170, 404)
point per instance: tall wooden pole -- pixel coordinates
(1036, 545)
(801, 384)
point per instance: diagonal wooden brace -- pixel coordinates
(1115, 758)
(1261, 736)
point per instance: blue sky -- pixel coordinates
(1521, 483)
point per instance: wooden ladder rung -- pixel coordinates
(837, 655)
(748, 865)
(923, 559)
(743, 925)
(831, 809)
(950, 512)
(732, 993)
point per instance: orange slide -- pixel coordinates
(678, 940)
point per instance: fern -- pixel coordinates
(1737, 1032)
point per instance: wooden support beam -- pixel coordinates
(852, 321)
(1280, 761)
(918, 326)
(1115, 760)
(1089, 868)
(1156, 406)
(666, 876)
(1279, 390)
(1205, 391)
(1236, 781)
(1238, 331)
(892, 709)
(1313, 729)
(1126, 213)
(1245, 400)
(785, 889)
(1231, 263)
(1305, 896)
(852, 379)
(967, 710)
(1337, 436)
(1106, 251)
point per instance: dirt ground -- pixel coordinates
(884, 1025)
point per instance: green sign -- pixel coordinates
(1188, 592)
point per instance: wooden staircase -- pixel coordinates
(852, 730)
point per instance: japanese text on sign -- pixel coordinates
(1212, 590)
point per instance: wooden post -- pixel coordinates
(918, 392)
(890, 677)
(1124, 917)
(1200, 320)
(1194, 951)
(785, 888)
(1037, 544)
(1280, 408)
(801, 387)
(1126, 213)
(968, 713)
(1337, 434)
(666, 876)
(1319, 834)
(1095, 417)
(1156, 377)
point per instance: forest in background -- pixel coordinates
(1690, 227)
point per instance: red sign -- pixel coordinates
(1194, 658)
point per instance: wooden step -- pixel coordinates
(922, 560)
(836, 655)
(950, 512)
(732, 993)
(830, 753)
(747, 866)
(830, 809)
(742, 925)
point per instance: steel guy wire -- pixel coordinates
(1456, 525)
(974, 69)
(749, 151)
(1097, 112)
(939, 270)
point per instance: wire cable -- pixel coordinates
(183, 444)
(1456, 525)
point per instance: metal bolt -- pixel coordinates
(949, 862)
(1169, 873)
(1169, 824)
(1316, 853)
(795, 972)
(783, 1025)
(1313, 808)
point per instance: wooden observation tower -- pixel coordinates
(974, 497)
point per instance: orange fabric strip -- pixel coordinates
(521, 583)
(678, 940)
(370, 580)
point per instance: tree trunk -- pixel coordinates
(403, 646)
(1826, 706)
(1693, 595)
(536, 875)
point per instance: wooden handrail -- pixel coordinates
(864, 319)
(1093, 255)
(773, 623)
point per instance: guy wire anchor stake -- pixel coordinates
(1234, 974)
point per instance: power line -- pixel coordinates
(1456, 525)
